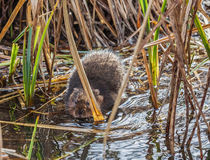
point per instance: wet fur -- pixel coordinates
(105, 74)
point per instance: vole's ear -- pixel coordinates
(73, 97)
(100, 99)
(96, 92)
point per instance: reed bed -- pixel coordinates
(158, 32)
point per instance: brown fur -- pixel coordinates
(79, 106)
(105, 74)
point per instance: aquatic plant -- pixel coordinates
(202, 35)
(153, 51)
(12, 67)
(33, 139)
(114, 24)
(29, 78)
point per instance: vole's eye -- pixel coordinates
(87, 103)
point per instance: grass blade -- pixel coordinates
(32, 139)
(144, 6)
(20, 35)
(24, 69)
(11, 18)
(202, 35)
(155, 60)
(38, 55)
(96, 112)
(199, 65)
(27, 66)
(15, 48)
(78, 148)
(36, 37)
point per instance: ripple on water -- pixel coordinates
(134, 136)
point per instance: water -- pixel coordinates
(133, 135)
(138, 131)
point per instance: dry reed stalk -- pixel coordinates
(159, 41)
(176, 77)
(28, 14)
(82, 23)
(1, 143)
(170, 129)
(111, 5)
(90, 22)
(21, 97)
(125, 78)
(53, 58)
(46, 46)
(11, 19)
(33, 19)
(36, 9)
(179, 74)
(41, 107)
(188, 38)
(138, 48)
(45, 126)
(200, 8)
(57, 32)
(103, 19)
(201, 106)
(187, 118)
(94, 10)
(97, 114)
(199, 141)
(164, 59)
(152, 90)
(171, 36)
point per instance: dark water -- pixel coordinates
(134, 136)
(138, 132)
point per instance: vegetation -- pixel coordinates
(13, 60)
(166, 37)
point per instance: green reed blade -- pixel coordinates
(155, 60)
(20, 35)
(11, 31)
(202, 35)
(27, 67)
(199, 65)
(32, 139)
(78, 148)
(24, 70)
(39, 151)
(38, 55)
(15, 48)
(158, 29)
(36, 37)
(144, 6)
(28, 64)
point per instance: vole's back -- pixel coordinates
(103, 67)
(104, 72)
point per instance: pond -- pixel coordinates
(138, 131)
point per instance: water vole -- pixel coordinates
(105, 73)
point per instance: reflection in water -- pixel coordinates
(137, 133)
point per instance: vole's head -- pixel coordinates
(78, 104)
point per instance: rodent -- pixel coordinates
(105, 73)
